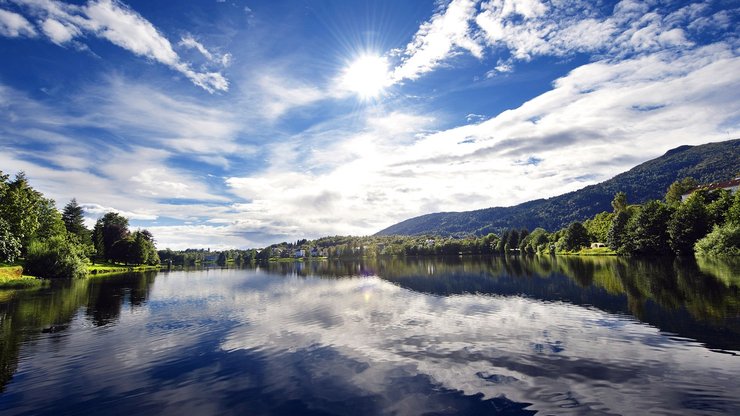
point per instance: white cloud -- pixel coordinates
(14, 25)
(523, 29)
(57, 32)
(392, 168)
(439, 38)
(120, 25)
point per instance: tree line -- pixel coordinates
(52, 244)
(706, 223)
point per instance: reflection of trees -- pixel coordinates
(24, 314)
(676, 295)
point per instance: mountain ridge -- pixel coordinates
(710, 162)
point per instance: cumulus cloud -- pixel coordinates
(14, 25)
(113, 21)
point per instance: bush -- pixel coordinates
(722, 241)
(57, 257)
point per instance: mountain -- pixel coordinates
(706, 163)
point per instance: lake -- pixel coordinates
(432, 336)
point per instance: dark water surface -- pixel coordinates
(407, 337)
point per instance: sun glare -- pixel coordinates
(367, 76)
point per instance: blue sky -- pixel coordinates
(244, 123)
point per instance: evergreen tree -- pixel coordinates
(74, 220)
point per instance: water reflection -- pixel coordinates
(419, 336)
(699, 300)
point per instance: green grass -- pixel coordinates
(12, 277)
(111, 268)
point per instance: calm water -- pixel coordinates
(422, 336)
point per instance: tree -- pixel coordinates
(678, 188)
(688, 224)
(619, 203)
(733, 214)
(598, 226)
(19, 207)
(648, 231)
(719, 208)
(110, 228)
(50, 221)
(10, 246)
(74, 220)
(576, 236)
(617, 234)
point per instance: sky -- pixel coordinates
(238, 124)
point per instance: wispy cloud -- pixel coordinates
(446, 33)
(519, 30)
(14, 25)
(111, 20)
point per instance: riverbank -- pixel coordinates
(100, 269)
(12, 277)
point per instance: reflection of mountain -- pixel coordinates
(673, 295)
(26, 313)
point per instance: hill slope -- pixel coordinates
(706, 163)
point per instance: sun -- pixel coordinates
(367, 76)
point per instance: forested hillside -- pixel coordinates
(706, 163)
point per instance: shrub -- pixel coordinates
(722, 241)
(56, 257)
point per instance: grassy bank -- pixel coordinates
(113, 268)
(12, 277)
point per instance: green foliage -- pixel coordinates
(733, 214)
(619, 203)
(598, 226)
(74, 221)
(575, 237)
(50, 221)
(689, 223)
(10, 246)
(56, 257)
(718, 206)
(137, 248)
(722, 241)
(19, 207)
(648, 229)
(678, 189)
(617, 236)
(109, 229)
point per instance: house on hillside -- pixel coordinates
(732, 185)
